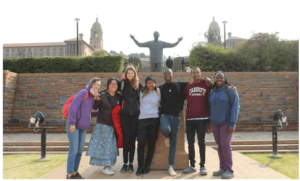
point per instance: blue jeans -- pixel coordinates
(169, 128)
(76, 147)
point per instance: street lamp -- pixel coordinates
(224, 33)
(77, 19)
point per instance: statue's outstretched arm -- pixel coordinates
(146, 44)
(170, 45)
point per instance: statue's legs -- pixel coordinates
(160, 67)
(153, 67)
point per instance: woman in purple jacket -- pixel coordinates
(78, 121)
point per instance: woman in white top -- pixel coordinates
(148, 124)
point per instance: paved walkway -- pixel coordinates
(282, 135)
(244, 167)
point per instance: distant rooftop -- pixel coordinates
(34, 44)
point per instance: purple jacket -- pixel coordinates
(79, 112)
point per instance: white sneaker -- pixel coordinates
(167, 142)
(107, 171)
(172, 171)
(110, 168)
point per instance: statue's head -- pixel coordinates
(156, 35)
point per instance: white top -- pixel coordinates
(149, 105)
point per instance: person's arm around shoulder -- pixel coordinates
(234, 102)
(183, 85)
(209, 82)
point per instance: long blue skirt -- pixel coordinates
(103, 146)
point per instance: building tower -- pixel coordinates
(213, 33)
(96, 40)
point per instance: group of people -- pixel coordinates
(141, 110)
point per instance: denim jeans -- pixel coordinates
(169, 128)
(76, 147)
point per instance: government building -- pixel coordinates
(66, 48)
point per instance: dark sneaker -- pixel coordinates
(146, 169)
(78, 176)
(130, 168)
(124, 168)
(139, 171)
(71, 177)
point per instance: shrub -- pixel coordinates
(64, 64)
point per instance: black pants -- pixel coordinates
(147, 132)
(199, 126)
(129, 127)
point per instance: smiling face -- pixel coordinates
(130, 75)
(113, 86)
(219, 80)
(150, 85)
(96, 86)
(196, 74)
(168, 76)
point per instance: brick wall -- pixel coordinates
(9, 88)
(261, 95)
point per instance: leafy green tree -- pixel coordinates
(101, 53)
(136, 62)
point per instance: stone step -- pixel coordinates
(208, 143)
(262, 147)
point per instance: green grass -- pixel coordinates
(287, 165)
(26, 166)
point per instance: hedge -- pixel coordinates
(64, 64)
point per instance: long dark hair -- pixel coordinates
(145, 89)
(109, 81)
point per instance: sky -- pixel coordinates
(33, 21)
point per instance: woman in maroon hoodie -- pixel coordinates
(78, 121)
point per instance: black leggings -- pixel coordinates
(129, 128)
(147, 134)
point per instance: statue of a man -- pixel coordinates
(156, 51)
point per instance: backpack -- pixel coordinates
(67, 104)
(179, 91)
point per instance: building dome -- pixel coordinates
(96, 25)
(214, 25)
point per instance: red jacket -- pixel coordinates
(117, 123)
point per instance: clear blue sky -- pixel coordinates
(33, 21)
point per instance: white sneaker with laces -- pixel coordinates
(107, 171)
(172, 171)
(167, 142)
(110, 168)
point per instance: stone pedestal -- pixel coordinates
(160, 159)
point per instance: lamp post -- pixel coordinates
(224, 34)
(77, 19)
